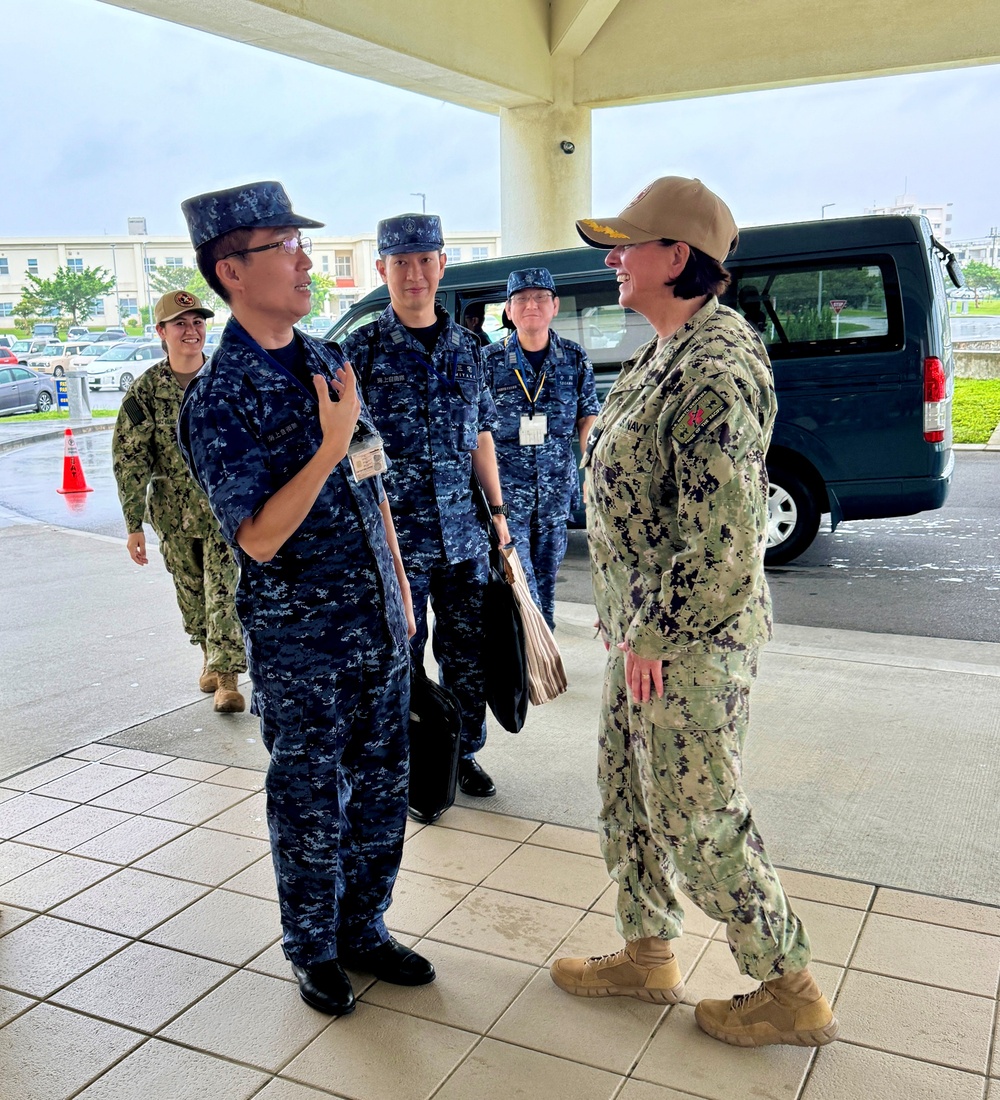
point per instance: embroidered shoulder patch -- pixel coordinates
(133, 410)
(697, 415)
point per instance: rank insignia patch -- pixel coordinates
(697, 415)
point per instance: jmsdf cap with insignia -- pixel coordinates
(530, 278)
(409, 233)
(176, 302)
(253, 206)
(672, 208)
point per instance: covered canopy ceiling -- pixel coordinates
(494, 54)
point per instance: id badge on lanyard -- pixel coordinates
(532, 430)
(533, 427)
(367, 456)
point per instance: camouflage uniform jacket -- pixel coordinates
(329, 597)
(154, 483)
(677, 507)
(430, 414)
(546, 473)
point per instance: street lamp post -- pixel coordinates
(145, 271)
(423, 200)
(819, 293)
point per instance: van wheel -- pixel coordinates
(792, 516)
(125, 381)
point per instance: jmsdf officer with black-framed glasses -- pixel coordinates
(277, 436)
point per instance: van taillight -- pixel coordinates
(935, 400)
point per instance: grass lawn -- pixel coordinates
(976, 409)
(32, 418)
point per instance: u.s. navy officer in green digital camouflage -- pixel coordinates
(154, 485)
(677, 524)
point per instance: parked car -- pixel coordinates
(122, 364)
(88, 354)
(7, 357)
(56, 358)
(25, 349)
(108, 336)
(855, 319)
(46, 328)
(6, 341)
(137, 339)
(24, 391)
(78, 332)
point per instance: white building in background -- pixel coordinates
(938, 214)
(129, 259)
(984, 250)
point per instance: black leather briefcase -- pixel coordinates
(435, 742)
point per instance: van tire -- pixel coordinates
(792, 516)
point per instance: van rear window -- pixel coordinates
(834, 309)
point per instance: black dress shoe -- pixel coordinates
(473, 780)
(391, 962)
(325, 987)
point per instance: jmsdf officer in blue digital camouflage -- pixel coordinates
(545, 394)
(422, 377)
(276, 435)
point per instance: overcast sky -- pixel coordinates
(111, 114)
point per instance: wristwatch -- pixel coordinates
(499, 510)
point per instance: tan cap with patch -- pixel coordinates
(176, 302)
(672, 208)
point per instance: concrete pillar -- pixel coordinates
(543, 190)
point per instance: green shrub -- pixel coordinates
(975, 409)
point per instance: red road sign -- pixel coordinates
(837, 304)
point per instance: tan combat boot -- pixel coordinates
(645, 969)
(228, 699)
(208, 681)
(789, 1009)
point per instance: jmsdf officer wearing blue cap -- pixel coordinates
(545, 393)
(422, 377)
(276, 435)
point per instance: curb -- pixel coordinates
(80, 428)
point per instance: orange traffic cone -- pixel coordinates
(73, 479)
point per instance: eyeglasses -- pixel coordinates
(538, 297)
(291, 245)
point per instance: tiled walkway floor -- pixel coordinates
(139, 961)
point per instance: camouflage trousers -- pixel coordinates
(541, 546)
(336, 799)
(204, 573)
(674, 814)
(456, 595)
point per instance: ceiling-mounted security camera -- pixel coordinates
(567, 147)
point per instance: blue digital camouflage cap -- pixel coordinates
(252, 206)
(409, 233)
(528, 278)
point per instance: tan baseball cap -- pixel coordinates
(671, 207)
(176, 302)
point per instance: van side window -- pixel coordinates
(493, 316)
(359, 319)
(808, 310)
(592, 317)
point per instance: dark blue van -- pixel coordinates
(854, 316)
